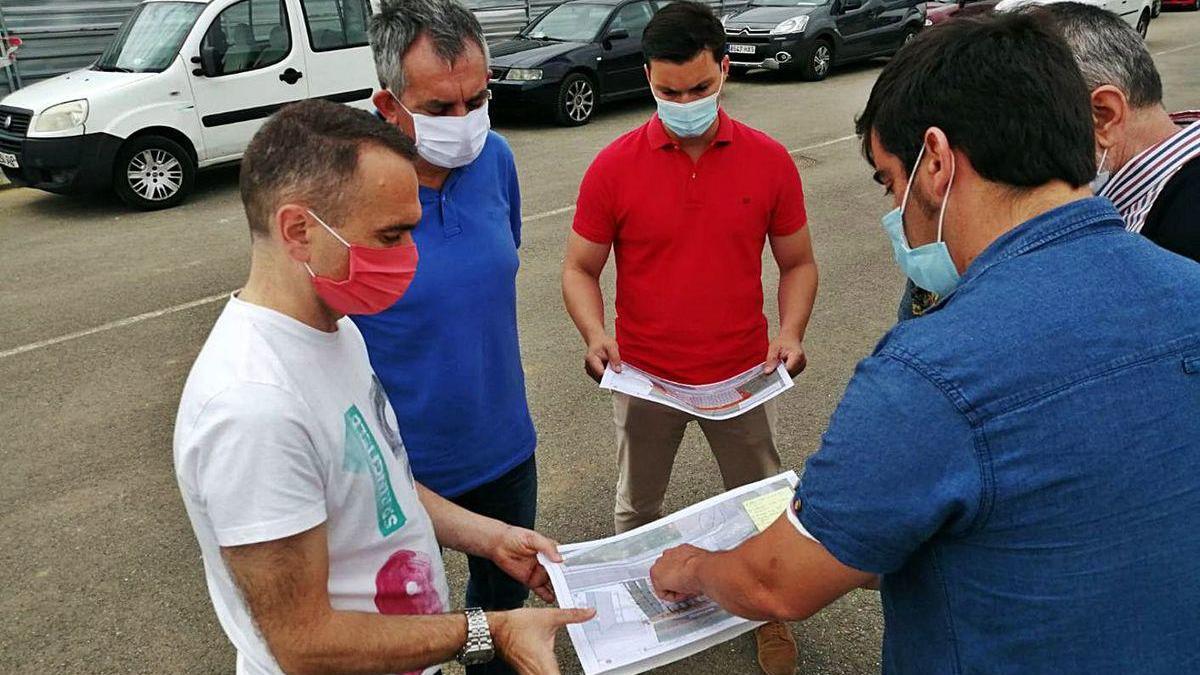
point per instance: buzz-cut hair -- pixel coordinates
(448, 23)
(1107, 50)
(307, 153)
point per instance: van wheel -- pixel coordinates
(819, 62)
(1143, 24)
(153, 172)
(576, 101)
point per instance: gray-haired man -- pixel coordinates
(448, 352)
(1149, 159)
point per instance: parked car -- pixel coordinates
(1193, 5)
(812, 36)
(1136, 13)
(573, 58)
(937, 12)
(184, 85)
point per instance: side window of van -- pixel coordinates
(336, 24)
(249, 35)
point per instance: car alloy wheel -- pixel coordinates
(1143, 25)
(580, 100)
(821, 58)
(154, 174)
(909, 37)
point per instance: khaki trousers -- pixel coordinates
(648, 436)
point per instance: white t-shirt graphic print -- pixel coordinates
(283, 427)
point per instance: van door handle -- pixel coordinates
(291, 76)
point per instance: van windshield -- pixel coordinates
(150, 38)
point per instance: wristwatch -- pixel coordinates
(479, 648)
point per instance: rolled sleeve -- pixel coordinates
(258, 473)
(896, 468)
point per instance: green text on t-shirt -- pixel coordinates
(362, 453)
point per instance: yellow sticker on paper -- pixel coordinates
(765, 509)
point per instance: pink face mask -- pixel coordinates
(378, 277)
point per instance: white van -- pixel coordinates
(184, 85)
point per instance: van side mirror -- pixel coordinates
(618, 34)
(208, 62)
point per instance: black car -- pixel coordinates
(572, 58)
(811, 36)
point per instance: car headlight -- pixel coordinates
(928, 22)
(524, 74)
(724, 18)
(63, 117)
(796, 24)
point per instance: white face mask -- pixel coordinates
(450, 142)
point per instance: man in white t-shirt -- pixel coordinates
(321, 553)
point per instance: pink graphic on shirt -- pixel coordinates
(404, 585)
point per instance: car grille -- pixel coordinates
(15, 121)
(742, 31)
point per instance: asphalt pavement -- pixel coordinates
(104, 310)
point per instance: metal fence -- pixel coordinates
(503, 18)
(62, 35)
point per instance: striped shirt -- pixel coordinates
(1134, 188)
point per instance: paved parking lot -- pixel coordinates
(104, 310)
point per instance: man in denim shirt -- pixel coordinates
(1018, 469)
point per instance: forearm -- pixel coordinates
(584, 301)
(797, 293)
(730, 580)
(360, 642)
(458, 528)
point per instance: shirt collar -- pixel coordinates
(1050, 226)
(657, 135)
(1185, 118)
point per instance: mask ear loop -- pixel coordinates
(912, 178)
(1103, 159)
(946, 198)
(331, 231)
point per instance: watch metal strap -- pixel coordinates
(479, 638)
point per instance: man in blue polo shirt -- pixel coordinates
(1018, 468)
(447, 353)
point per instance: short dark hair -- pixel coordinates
(1004, 89)
(308, 152)
(1107, 50)
(681, 30)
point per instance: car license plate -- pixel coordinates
(8, 159)
(741, 49)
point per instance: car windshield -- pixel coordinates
(150, 38)
(787, 3)
(572, 22)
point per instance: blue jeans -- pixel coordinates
(511, 498)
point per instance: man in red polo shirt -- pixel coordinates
(687, 201)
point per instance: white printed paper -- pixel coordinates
(633, 631)
(717, 401)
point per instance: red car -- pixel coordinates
(937, 12)
(1193, 5)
